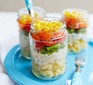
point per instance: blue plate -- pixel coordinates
(19, 69)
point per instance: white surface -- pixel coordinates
(5, 80)
(9, 38)
(2, 70)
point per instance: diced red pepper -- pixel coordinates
(39, 45)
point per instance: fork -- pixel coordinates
(79, 62)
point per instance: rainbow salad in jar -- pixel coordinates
(48, 48)
(24, 21)
(77, 25)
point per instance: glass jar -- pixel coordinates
(77, 25)
(24, 22)
(48, 44)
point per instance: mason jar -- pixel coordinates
(24, 22)
(77, 25)
(48, 44)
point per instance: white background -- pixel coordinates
(49, 5)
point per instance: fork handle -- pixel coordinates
(76, 79)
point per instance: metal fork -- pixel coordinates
(80, 62)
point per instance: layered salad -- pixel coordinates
(48, 48)
(24, 21)
(77, 24)
(24, 24)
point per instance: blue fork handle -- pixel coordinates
(29, 4)
(76, 80)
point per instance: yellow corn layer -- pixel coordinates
(47, 26)
(75, 14)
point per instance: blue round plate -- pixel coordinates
(19, 69)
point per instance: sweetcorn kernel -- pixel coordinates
(67, 14)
